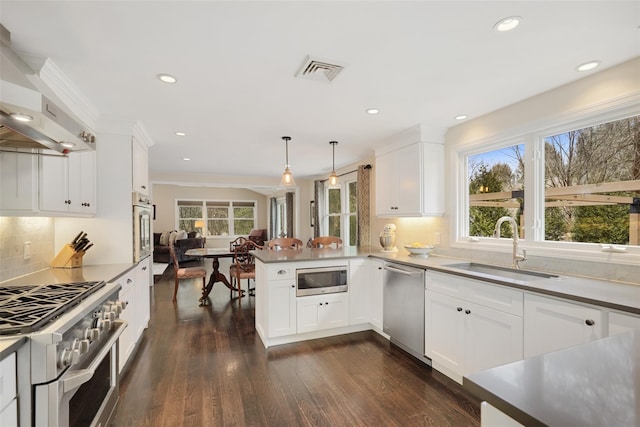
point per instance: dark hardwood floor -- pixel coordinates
(206, 366)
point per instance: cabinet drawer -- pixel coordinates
(8, 388)
(127, 281)
(281, 272)
(499, 297)
(447, 284)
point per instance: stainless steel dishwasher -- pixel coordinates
(403, 315)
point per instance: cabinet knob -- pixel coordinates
(459, 308)
(467, 311)
(589, 322)
(320, 303)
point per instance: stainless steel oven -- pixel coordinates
(321, 280)
(141, 227)
(68, 373)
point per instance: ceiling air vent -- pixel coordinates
(319, 69)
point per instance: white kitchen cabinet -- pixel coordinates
(620, 323)
(140, 169)
(135, 292)
(143, 280)
(68, 183)
(409, 181)
(8, 392)
(280, 293)
(470, 325)
(360, 292)
(376, 288)
(319, 312)
(127, 340)
(552, 324)
(18, 182)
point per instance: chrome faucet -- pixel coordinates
(517, 257)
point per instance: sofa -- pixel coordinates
(182, 243)
(258, 236)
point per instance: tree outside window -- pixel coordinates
(590, 190)
(591, 182)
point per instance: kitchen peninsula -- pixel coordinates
(283, 317)
(552, 310)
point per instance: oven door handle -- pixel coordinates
(76, 378)
(408, 272)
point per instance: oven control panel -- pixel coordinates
(88, 334)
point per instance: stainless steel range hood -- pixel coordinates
(50, 126)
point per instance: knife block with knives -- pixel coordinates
(70, 256)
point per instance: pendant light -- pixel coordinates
(333, 178)
(287, 176)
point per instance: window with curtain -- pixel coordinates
(220, 217)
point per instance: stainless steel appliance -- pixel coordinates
(44, 125)
(403, 308)
(68, 370)
(141, 227)
(321, 280)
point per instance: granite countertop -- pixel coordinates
(591, 385)
(10, 344)
(615, 295)
(308, 254)
(87, 273)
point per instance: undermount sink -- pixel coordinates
(504, 272)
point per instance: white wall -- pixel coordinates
(263, 185)
(602, 92)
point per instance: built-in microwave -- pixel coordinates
(321, 280)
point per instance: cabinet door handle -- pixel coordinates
(282, 271)
(459, 308)
(320, 303)
(468, 311)
(589, 322)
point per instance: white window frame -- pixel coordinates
(533, 137)
(344, 214)
(230, 218)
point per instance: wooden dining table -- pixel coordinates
(216, 275)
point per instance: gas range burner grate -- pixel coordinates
(27, 308)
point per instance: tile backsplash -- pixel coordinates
(14, 231)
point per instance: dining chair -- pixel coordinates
(184, 273)
(243, 266)
(325, 241)
(236, 242)
(285, 243)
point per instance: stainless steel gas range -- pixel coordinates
(67, 371)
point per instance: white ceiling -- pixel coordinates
(419, 62)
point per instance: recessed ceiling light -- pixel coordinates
(372, 111)
(461, 117)
(507, 24)
(181, 134)
(167, 78)
(67, 144)
(186, 159)
(21, 117)
(588, 66)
